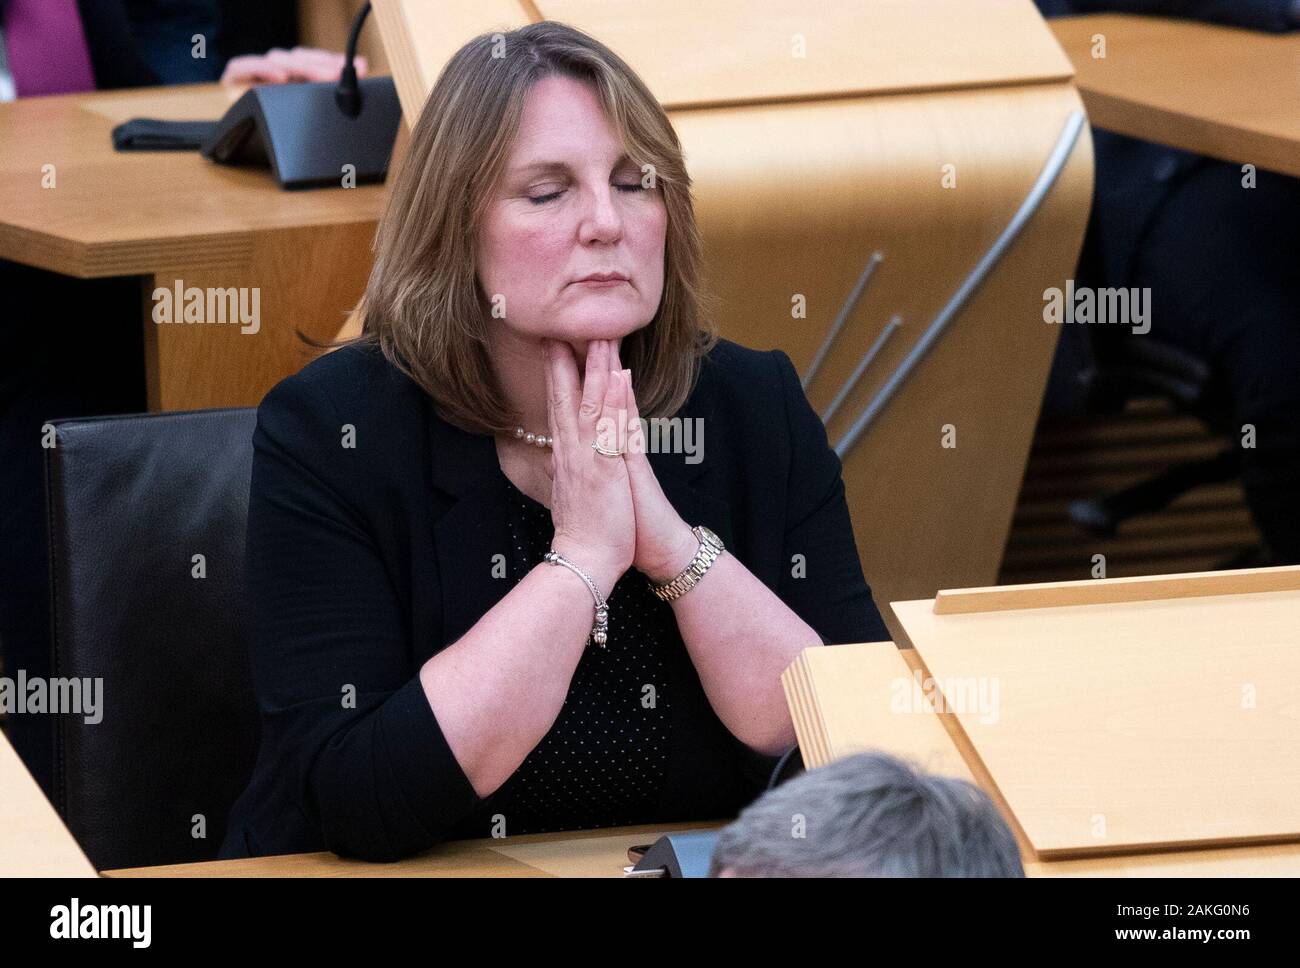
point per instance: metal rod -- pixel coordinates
(861, 368)
(1042, 185)
(845, 312)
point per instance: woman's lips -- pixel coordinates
(601, 283)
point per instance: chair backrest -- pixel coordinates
(146, 518)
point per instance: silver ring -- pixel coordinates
(595, 445)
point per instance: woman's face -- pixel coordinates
(569, 206)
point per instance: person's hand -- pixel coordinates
(665, 544)
(280, 66)
(591, 499)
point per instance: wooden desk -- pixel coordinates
(860, 697)
(1219, 91)
(1130, 714)
(603, 853)
(1277, 860)
(165, 216)
(581, 853)
(33, 840)
(847, 698)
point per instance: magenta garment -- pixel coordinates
(46, 46)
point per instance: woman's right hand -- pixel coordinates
(591, 495)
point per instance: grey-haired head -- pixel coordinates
(869, 815)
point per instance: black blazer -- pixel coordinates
(364, 561)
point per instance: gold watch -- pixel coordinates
(709, 550)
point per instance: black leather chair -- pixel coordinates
(131, 501)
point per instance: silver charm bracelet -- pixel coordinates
(600, 628)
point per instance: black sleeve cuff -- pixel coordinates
(425, 770)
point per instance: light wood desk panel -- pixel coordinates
(1135, 723)
(868, 696)
(1225, 92)
(33, 840)
(751, 51)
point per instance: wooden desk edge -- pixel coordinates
(1104, 591)
(440, 861)
(1125, 112)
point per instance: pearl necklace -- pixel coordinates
(537, 440)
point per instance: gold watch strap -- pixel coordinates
(705, 556)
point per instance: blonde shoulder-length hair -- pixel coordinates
(424, 306)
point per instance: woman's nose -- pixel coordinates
(602, 221)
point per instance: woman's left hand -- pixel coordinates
(665, 543)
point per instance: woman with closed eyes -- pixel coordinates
(493, 590)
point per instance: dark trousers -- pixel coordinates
(1223, 265)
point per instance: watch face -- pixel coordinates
(710, 537)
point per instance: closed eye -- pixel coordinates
(543, 199)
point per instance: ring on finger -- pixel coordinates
(604, 451)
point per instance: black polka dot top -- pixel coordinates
(603, 762)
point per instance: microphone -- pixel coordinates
(348, 94)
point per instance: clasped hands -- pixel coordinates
(609, 512)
